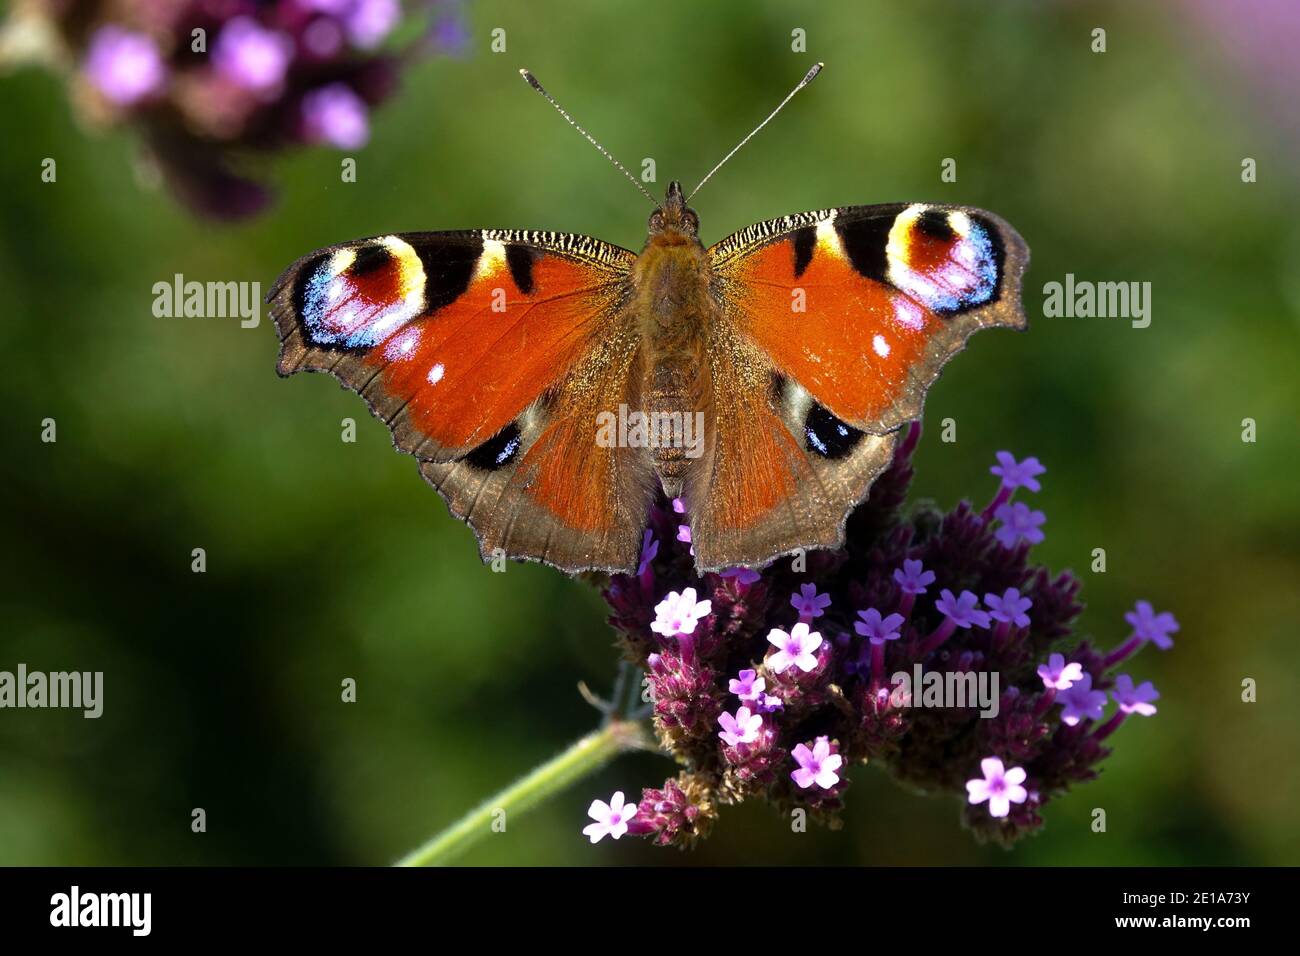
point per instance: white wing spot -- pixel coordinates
(880, 345)
(435, 374)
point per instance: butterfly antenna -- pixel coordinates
(808, 78)
(532, 81)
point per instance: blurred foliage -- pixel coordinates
(329, 560)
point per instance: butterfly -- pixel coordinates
(547, 383)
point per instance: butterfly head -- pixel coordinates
(674, 215)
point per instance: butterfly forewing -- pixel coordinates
(486, 352)
(863, 305)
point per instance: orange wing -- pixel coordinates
(486, 353)
(833, 326)
(862, 306)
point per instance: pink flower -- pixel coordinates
(611, 818)
(817, 766)
(748, 686)
(795, 649)
(999, 787)
(743, 728)
(678, 613)
(1059, 675)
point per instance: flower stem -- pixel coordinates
(586, 756)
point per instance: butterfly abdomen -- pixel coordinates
(675, 309)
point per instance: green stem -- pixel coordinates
(586, 756)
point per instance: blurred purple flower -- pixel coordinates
(1134, 700)
(1015, 474)
(335, 115)
(370, 21)
(251, 57)
(1153, 627)
(1019, 523)
(1080, 702)
(124, 66)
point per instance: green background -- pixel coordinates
(329, 560)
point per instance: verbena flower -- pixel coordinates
(611, 818)
(758, 705)
(209, 86)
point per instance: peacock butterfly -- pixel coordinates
(802, 344)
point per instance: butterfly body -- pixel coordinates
(505, 361)
(675, 308)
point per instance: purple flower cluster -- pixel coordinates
(209, 83)
(773, 684)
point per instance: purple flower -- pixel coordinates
(335, 115)
(742, 575)
(649, 549)
(1010, 608)
(875, 629)
(963, 611)
(794, 649)
(1080, 702)
(1153, 627)
(678, 613)
(1059, 675)
(679, 506)
(809, 603)
(837, 687)
(369, 21)
(124, 66)
(912, 577)
(1000, 787)
(684, 533)
(748, 686)
(817, 765)
(1018, 523)
(743, 728)
(1015, 474)
(252, 57)
(1134, 700)
(611, 818)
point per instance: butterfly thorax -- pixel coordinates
(672, 281)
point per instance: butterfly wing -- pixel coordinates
(839, 321)
(486, 353)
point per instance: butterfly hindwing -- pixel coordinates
(841, 321)
(484, 351)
